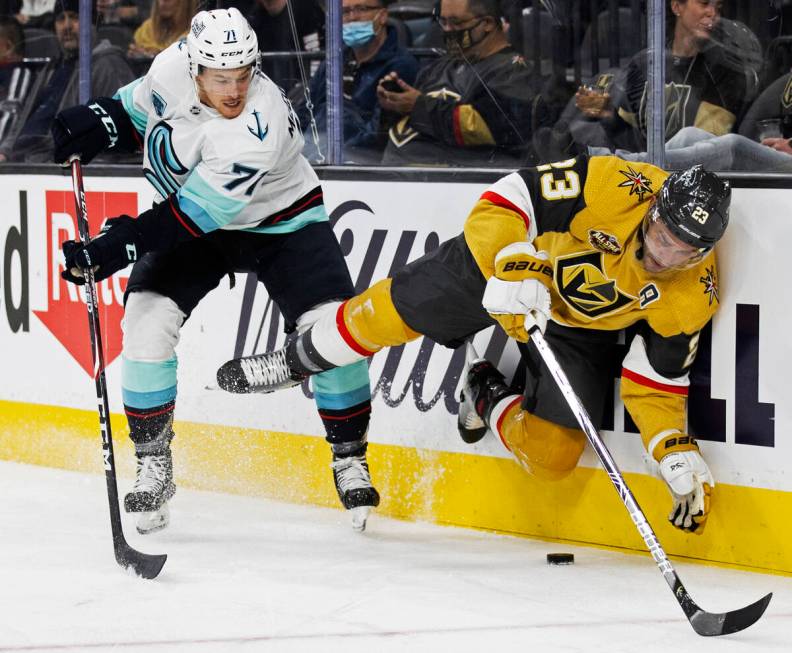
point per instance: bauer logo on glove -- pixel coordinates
(681, 466)
(518, 295)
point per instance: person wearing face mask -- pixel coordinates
(372, 51)
(476, 105)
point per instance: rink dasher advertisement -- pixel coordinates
(737, 407)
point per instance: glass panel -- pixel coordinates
(732, 106)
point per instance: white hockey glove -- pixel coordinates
(518, 295)
(687, 476)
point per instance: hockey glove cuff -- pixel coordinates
(88, 130)
(687, 476)
(115, 247)
(518, 296)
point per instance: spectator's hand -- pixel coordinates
(593, 102)
(779, 144)
(3, 158)
(400, 102)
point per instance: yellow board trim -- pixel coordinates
(745, 529)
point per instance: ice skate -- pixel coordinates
(353, 483)
(482, 386)
(264, 373)
(152, 490)
(151, 522)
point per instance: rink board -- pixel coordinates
(272, 445)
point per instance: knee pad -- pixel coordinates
(547, 450)
(151, 326)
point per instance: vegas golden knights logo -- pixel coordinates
(786, 96)
(582, 283)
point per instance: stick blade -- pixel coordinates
(709, 624)
(142, 564)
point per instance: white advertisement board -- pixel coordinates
(738, 407)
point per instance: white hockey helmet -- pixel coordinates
(221, 38)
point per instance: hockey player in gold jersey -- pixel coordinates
(582, 249)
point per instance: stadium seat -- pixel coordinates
(41, 43)
(117, 35)
(627, 41)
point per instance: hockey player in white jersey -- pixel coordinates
(222, 147)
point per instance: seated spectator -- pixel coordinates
(476, 105)
(168, 22)
(15, 79)
(372, 52)
(702, 88)
(270, 20)
(12, 50)
(36, 13)
(769, 119)
(109, 71)
(763, 144)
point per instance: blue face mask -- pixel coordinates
(357, 34)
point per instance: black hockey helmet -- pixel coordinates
(694, 205)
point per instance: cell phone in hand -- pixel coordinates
(392, 86)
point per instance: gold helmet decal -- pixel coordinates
(581, 282)
(638, 183)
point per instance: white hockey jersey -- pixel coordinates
(242, 173)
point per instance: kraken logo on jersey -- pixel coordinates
(638, 183)
(710, 281)
(583, 284)
(786, 96)
(605, 242)
(258, 132)
(165, 165)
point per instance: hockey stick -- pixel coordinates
(704, 623)
(143, 564)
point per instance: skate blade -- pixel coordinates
(151, 522)
(359, 516)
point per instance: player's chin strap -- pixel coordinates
(304, 80)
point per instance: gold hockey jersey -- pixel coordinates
(587, 214)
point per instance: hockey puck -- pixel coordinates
(560, 558)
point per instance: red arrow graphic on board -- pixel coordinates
(66, 316)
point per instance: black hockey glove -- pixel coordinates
(115, 247)
(90, 129)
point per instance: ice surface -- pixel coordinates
(247, 574)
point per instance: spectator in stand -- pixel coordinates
(12, 41)
(763, 143)
(772, 112)
(702, 88)
(168, 22)
(36, 13)
(270, 20)
(109, 70)
(372, 51)
(13, 81)
(476, 105)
